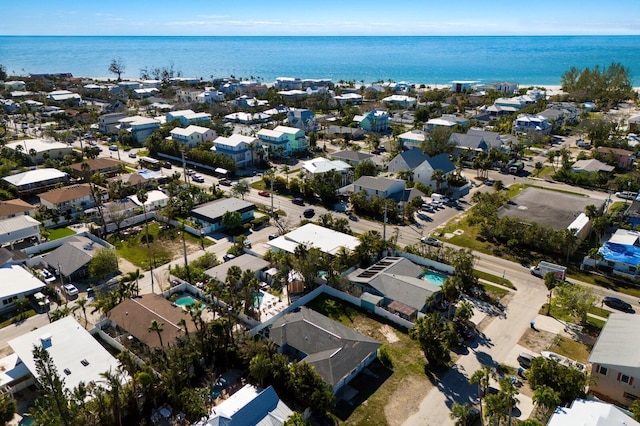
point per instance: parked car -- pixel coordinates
(70, 289)
(47, 276)
(426, 207)
(431, 241)
(225, 182)
(273, 236)
(228, 257)
(619, 304)
(189, 172)
(298, 201)
(167, 165)
(132, 155)
(464, 331)
(246, 243)
(309, 213)
(525, 359)
(113, 147)
(197, 178)
(626, 195)
(264, 193)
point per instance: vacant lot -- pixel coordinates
(388, 396)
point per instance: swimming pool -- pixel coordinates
(434, 278)
(257, 298)
(186, 301)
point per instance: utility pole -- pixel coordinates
(184, 168)
(271, 179)
(384, 223)
(184, 249)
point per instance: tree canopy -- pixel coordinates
(606, 86)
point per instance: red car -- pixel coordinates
(264, 193)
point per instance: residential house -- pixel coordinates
(41, 149)
(155, 200)
(108, 123)
(247, 117)
(634, 123)
(71, 259)
(35, 181)
(193, 135)
(187, 117)
(378, 186)
(622, 158)
(141, 178)
(303, 119)
(353, 158)
(16, 207)
(462, 86)
(403, 101)
(18, 228)
(139, 127)
(245, 101)
(209, 216)
(105, 166)
(283, 140)
(64, 96)
(187, 95)
(17, 283)
(15, 85)
(135, 316)
(245, 262)
(144, 93)
(344, 131)
(250, 406)
(237, 147)
(475, 141)
(421, 165)
(129, 85)
(312, 235)
(527, 123)
(507, 87)
(615, 361)
(319, 165)
(336, 352)
(71, 200)
(621, 254)
(210, 96)
(412, 139)
(401, 285)
(446, 120)
(184, 80)
(349, 98)
(585, 412)
(288, 83)
(373, 121)
(74, 352)
(561, 114)
(592, 165)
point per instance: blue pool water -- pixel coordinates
(257, 299)
(186, 301)
(434, 278)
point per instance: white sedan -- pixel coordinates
(70, 289)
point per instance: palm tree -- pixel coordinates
(135, 276)
(115, 386)
(483, 378)
(546, 399)
(81, 304)
(464, 311)
(438, 177)
(461, 412)
(451, 292)
(157, 328)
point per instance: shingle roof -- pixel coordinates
(96, 164)
(136, 315)
(14, 207)
(214, 210)
(334, 350)
(441, 162)
(71, 256)
(352, 155)
(376, 183)
(66, 193)
(413, 157)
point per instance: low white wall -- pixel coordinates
(432, 264)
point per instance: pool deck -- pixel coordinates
(271, 306)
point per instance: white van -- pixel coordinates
(439, 197)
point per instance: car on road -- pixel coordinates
(431, 241)
(113, 147)
(189, 172)
(167, 165)
(298, 201)
(264, 193)
(246, 243)
(227, 257)
(619, 304)
(309, 213)
(197, 178)
(70, 289)
(626, 195)
(225, 182)
(132, 155)
(273, 236)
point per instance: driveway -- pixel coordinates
(501, 335)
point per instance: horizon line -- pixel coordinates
(321, 35)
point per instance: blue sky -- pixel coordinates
(329, 17)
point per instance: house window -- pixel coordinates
(626, 379)
(630, 396)
(603, 370)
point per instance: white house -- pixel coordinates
(400, 100)
(585, 412)
(155, 200)
(283, 140)
(139, 127)
(38, 180)
(42, 148)
(108, 123)
(378, 186)
(352, 98)
(320, 165)
(15, 85)
(312, 235)
(76, 354)
(622, 253)
(64, 96)
(237, 147)
(446, 120)
(193, 135)
(73, 199)
(373, 121)
(188, 116)
(17, 283)
(18, 228)
(412, 138)
(526, 123)
(210, 96)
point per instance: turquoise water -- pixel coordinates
(434, 278)
(186, 301)
(257, 299)
(27, 421)
(433, 60)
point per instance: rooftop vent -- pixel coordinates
(84, 362)
(67, 371)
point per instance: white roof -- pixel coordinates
(188, 131)
(18, 223)
(39, 145)
(12, 369)
(323, 165)
(617, 344)
(399, 98)
(287, 130)
(590, 413)
(152, 197)
(68, 343)
(234, 140)
(625, 237)
(327, 240)
(413, 136)
(269, 132)
(138, 120)
(14, 280)
(33, 176)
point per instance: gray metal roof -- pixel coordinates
(245, 261)
(213, 211)
(441, 162)
(617, 345)
(376, 183)
(71, 256)
(413, 157)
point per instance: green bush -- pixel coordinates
(385, 357)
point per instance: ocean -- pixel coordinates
(431, 60)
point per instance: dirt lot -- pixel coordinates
(536, 341)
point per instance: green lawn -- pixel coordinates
(56, 234)
(570, 348)
(493, 278)
(494, 291)
(164, 245)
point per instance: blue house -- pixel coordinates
(373, 121)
